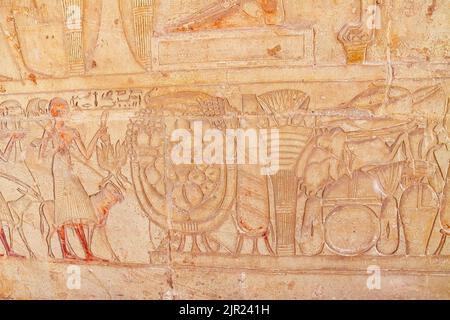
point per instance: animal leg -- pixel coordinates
(24, 239)
(47, 217)
(48, 239)
(89, 256)
(104, 242)
(69, 245)
(90, 235)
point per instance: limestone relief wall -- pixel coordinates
(221, 149)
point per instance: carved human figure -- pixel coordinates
(12, 139)
(73, 208)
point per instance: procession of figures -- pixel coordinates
(367, 177)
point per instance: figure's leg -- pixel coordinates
(63, 241)
(89, 256)
(9, 251)
(69, 245)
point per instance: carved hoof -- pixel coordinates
(69, 256)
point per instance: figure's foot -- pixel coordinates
(69, 256)
(12, 254)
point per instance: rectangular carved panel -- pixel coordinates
(270, 47)
(212, 149)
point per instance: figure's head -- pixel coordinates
(59, 108)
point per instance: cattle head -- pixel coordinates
(112, 193)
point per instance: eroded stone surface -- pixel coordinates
(351, 98)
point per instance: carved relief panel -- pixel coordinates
(186, 147)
